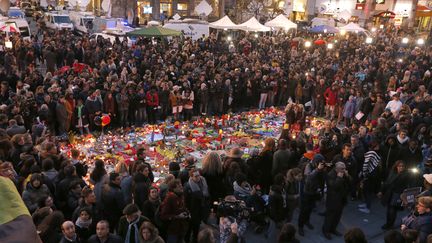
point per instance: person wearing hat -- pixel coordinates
(313, 181)
(130, 223)
(427, 186)
(338, 188)
(235, 156)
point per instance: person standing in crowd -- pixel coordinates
(69, 235)
(266, 163)
(213, 173)
(397, 181)
(130, 223)
(294, 189)
(152, 105)
(197, 202)
(314, 180)
(103, 234)
(370, 176)
(281, 158)
(149, 234)
(338, 188)
(173, 211)
(112, 201)
(423, 222)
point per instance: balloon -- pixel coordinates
(97, 121)
(106, 119)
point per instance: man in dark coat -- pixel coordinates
(338, 188)
(103, 235)
(351, 164)
(112, 200)
(130, 223)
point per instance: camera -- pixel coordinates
(233, 209)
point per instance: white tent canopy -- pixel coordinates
(322, 21)
(223, 23)
(253, 25)
(281, 22)
(351, 27)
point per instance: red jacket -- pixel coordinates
(152, 99)
(330, 96)
(172, 206)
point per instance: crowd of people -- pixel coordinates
(375, 143)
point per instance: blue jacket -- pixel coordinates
(423, 225)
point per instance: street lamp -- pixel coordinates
(330, 46)
(405, 40)
(256, 35)
(369, 40)
(307, 44)
(420, 41)
(229, 38)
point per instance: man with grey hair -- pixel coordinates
(338, 188)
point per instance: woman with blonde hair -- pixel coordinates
(213, 173)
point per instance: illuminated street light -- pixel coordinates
(405, 40)
(256, 35)
(420, 41)
(330, 46)
(325, 30)
(343, 32)
(373, 29)
(229, 38)
(308, 44)
(369, 40)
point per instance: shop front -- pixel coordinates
(423, 16)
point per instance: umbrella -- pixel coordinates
(8, 28)
(154, 31)
(319, 42)
(324, 29)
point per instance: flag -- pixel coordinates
(16, 224)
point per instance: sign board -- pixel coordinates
(195, 31)
(398, 20)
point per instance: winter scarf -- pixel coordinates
(83, 224)
(242, 191)
(402, 141)
(130, 227)
(200, 186)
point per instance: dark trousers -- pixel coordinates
(306, 206)
(151, 114)
(332, 218)
(391, 215)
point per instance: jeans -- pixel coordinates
(123, 117)
(141, 115)
(262, 102)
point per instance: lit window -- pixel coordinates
(182, 6)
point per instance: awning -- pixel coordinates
(386, 14)
(423, 11)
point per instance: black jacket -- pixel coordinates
(111, 239)
(124, 225)
(338, 189)
(112, 203)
